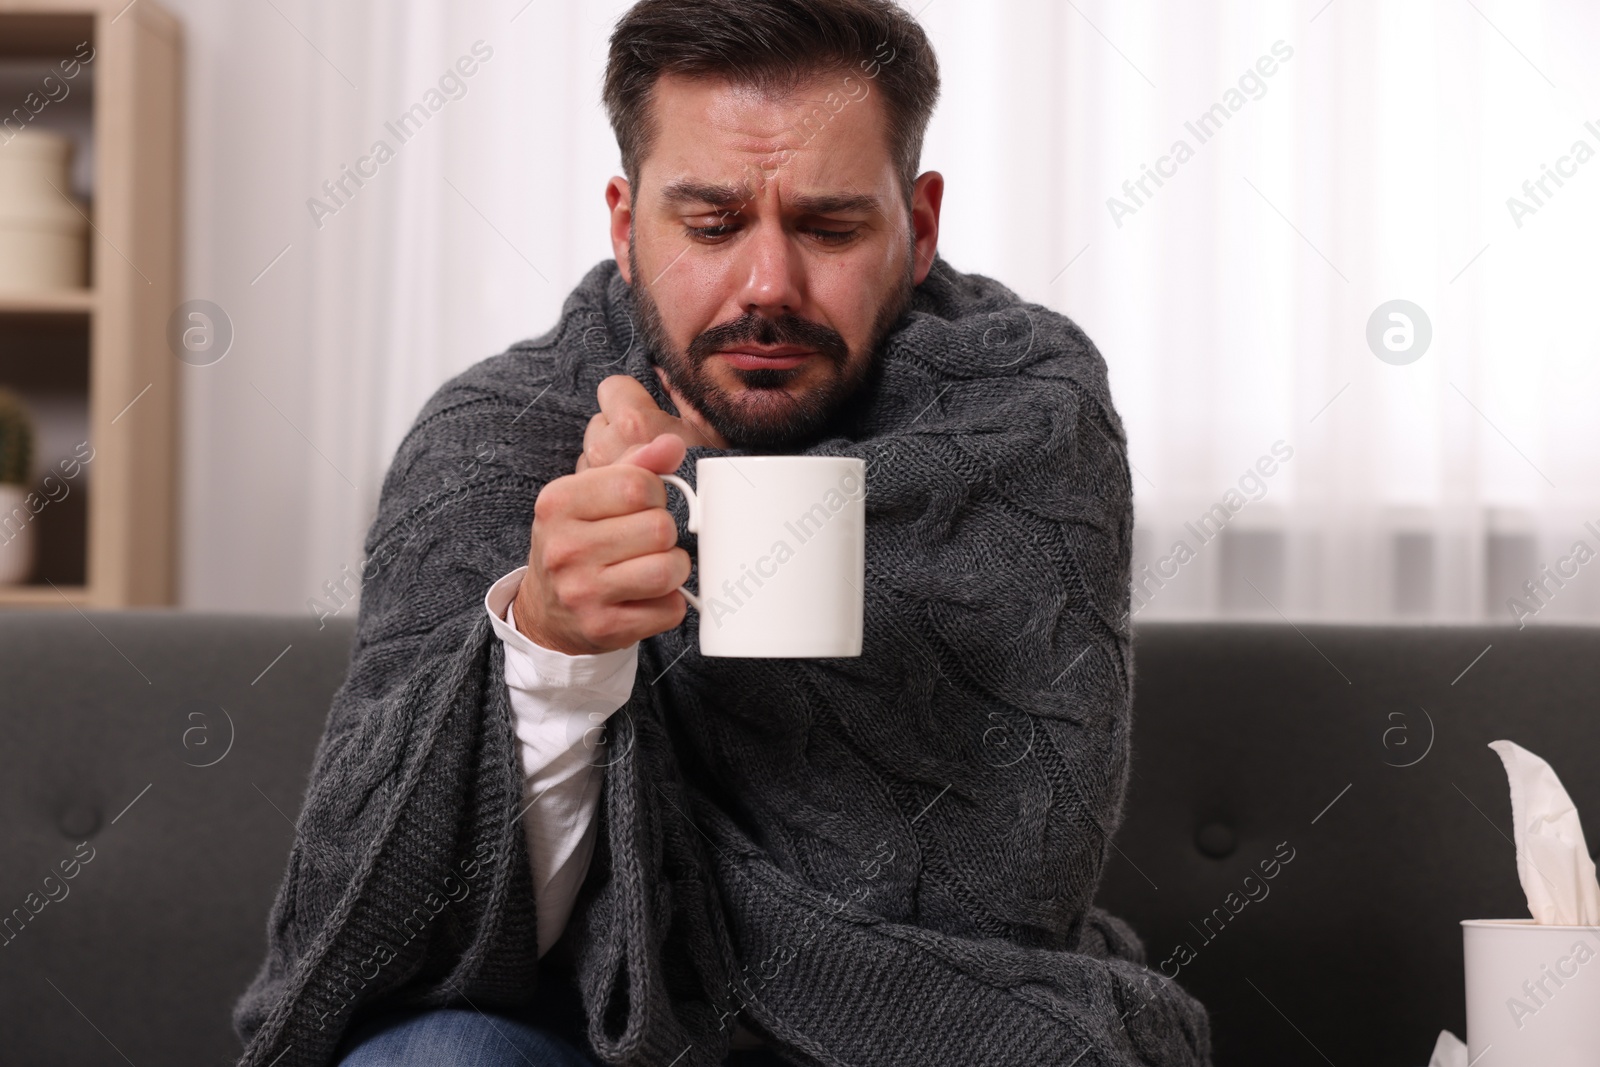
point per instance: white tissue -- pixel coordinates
(1552, 860)
(1448, 1051)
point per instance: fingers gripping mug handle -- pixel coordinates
(694, 522)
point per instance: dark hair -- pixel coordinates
(773, 46)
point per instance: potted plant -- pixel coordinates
(16, 465)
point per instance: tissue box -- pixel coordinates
(43, 236)
(1533, 993)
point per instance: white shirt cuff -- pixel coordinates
(535, 666)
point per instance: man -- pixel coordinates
(886, 859)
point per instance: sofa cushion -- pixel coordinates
(161, 757)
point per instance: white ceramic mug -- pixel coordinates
(782, 554)
(1533, 993)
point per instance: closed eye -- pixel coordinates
(714, 234)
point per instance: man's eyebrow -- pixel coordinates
(834, 203)
(686, 191)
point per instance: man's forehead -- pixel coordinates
(722, 102)
(723, 144)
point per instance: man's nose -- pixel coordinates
(773, 271)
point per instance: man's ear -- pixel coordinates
(619, 201)
(927, 197)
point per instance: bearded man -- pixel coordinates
(543, 828)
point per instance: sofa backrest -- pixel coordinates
(157, 758)
(160, 758)
(1362, 751)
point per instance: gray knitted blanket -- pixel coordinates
(888, 859)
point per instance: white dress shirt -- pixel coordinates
(561, 703)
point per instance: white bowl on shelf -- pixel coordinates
(43, 228)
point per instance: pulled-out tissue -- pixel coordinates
(1552, 860)
(1449, 1051)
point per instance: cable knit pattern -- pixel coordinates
(888, 859)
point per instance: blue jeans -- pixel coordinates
(465, 1037)
(459, 1037)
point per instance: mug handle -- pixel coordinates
(694, 522)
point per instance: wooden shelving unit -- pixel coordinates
(115, 546)
(43, 596)
(66, 302)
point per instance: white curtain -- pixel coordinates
(349, 315)
(1356, 153)
(1341, 156)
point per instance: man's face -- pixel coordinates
(769, 250)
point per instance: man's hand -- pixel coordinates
(628, 417)
(604, 564)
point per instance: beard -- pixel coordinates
(764, 414)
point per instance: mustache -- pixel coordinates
(788, 329)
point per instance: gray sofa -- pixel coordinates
(160, 757)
